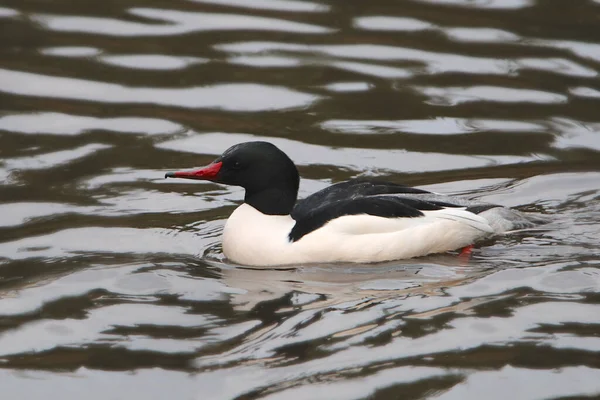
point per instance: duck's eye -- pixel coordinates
(236, 165)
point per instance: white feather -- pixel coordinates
(256, 239)
(463, 216)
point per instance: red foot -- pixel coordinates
(466, 251)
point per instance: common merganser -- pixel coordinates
(358, 221)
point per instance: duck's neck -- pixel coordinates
(273, 201)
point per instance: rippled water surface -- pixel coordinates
(112, 280)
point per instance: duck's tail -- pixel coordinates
(505, 220)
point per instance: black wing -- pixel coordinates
(352, 189)
(359, 188)
(380, 206)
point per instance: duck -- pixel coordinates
(355, 221)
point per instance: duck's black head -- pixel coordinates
(269, 176)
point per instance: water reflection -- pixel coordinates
(451, 96)
(382, 23)
(227, 96)
(490, 4)
(320, 287)
(436, 126)
(578, 381)
(435, 62)
(8, 12)
(278, 5)
(173, 23)
(65, 124)
(152, 61)
(49, 160)
(355, 159)
(585, 92)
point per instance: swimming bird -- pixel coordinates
(361, 221)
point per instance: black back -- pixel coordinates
(352, 189)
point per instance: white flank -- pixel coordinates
(256, 239)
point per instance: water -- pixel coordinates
(112, 281)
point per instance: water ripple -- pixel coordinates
(457, 95)
(173, 23)
(113, 279)
(278, 5)
(65, 124)
(226, 96)
(355, 159)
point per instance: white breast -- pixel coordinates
(253, 238)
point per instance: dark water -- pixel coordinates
(112, 282)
